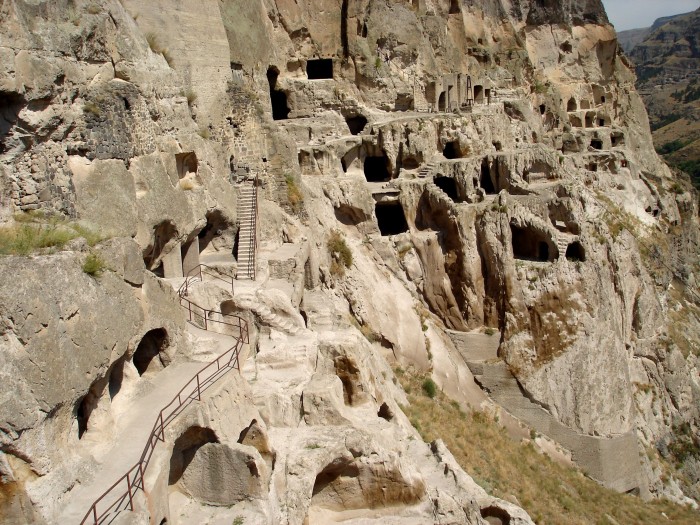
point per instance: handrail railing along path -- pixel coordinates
(133, 480)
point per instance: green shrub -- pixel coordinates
(34, 232)
(429, 388)
(339, 250)
(94, 265)
(489, 331)
(294, 195)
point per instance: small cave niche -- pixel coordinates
(543, 109)
(575, 121)
(478, 94)
(278, 98)
(454, 7)
(585, 104)
(319, 69)
(617, 139)
(452, 150)
(442, 101)
(356, 124)
(566, 47)
(410, 162)
(185, 448)
(449, 186)
(349, 374)
(361, 29)
(186, 164)
(498, 145)
(339, 468)
(597, 144)
(349, 215)
(377, 169)
(390, 218)
(163, 233)
(385, 412)
(485, 180)
(152, 346)
(590, 118)
(530, 245)
(575, 252)
(571, 105)
(495, 516)
(593, 166)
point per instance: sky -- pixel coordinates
(631, 14)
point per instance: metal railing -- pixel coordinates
(253, 235)
(126, 487)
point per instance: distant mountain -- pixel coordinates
(668, 78)
(630, 38)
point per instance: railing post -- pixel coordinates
(94, 513)
(199, 393)
(128, 487)
(143, 481)
(162, 427)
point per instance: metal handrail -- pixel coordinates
(134, 477)
(253, 236)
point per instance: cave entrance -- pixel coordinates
(597, 144)
(454, 7)
(390, 218)
(495, 516)
(116, 378)
(184, 449)
(575, 252)
(449, 186)
(529, 244)
(356, 124)
(571, 105)
(451, 150)
(152, 345)
(319, 69)
(278, 98)
(485, 181)
(478, 94)
(377, 169)
(442, 105)
(589, 120)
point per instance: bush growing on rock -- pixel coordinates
(340, 253)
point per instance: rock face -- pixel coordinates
(472, 166)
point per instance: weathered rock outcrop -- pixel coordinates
(468, 166)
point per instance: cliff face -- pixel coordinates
(488, 165)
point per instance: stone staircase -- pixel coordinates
(428, 170)
(247, 238)
(562, 245)
(613, 462)
(247, 299)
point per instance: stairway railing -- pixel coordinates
(253, 234)
(126, 487)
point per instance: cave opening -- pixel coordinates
(543, 109)
(211, 235)
(571, 105)
(278, 98)
(478, 94)
(116, 378)
(385, 412)
(495, 516)
(454, 7)
(391, 218)
(597, 144)
(442, 105)
(486, 182)
(356, 124)
(589, 120)
(377, 169)
(575, 252)
(152, 345)
(319, 69)
(529, 244)
(449, 186)
(451, 150)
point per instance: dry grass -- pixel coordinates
(34, 232)
(294, 195)
(550, 492)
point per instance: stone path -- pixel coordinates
(134, 430)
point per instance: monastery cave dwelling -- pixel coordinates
(245, 240)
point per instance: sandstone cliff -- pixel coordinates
(487, 165)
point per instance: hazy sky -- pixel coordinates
(631, 14)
